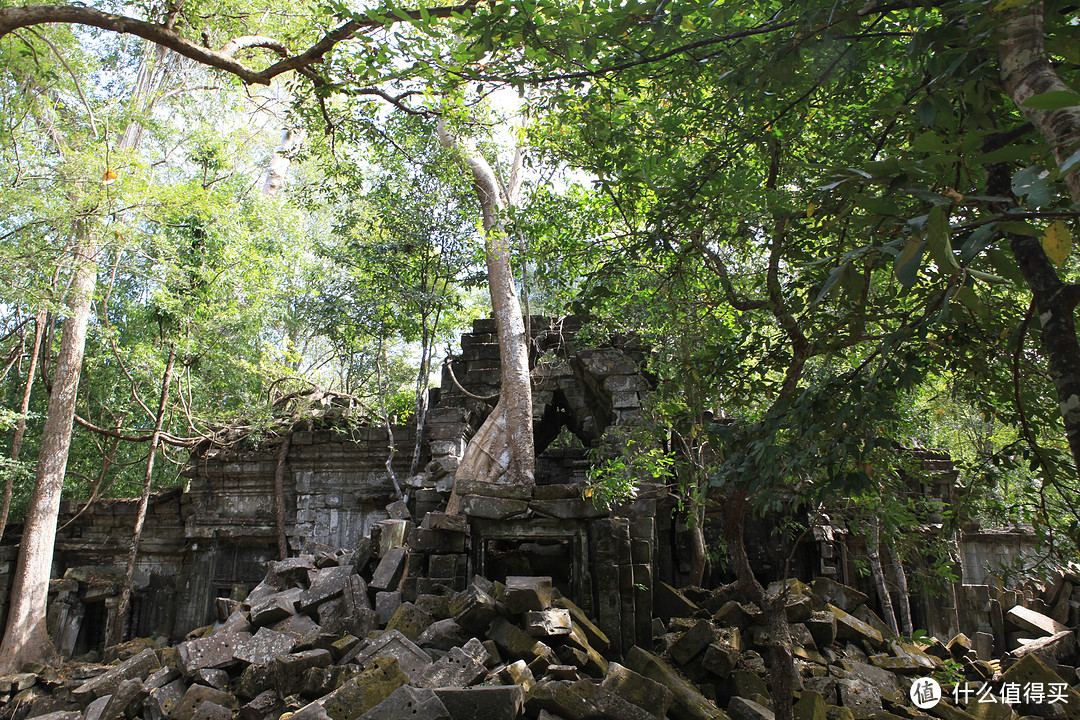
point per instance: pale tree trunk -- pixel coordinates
(279, 164)
(501, 453)
(279, 494)
(144, 499)
(1025, 72)
(25, 637)
(901, 590)
(873, 544)
(24, 407)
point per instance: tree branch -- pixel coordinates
(13, 18)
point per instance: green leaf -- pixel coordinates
(1057, 242)
(1033, 184)
(1053, 100)
(830, 282)
(906, 265)
(970, 299)
(937, 237)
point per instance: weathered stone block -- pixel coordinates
(525, 593)
(392, 644)
(287, 671)
(637, 689)
(741, 708)
(687, 703)
(212, 711)
(325, 584)
(517, 673)
(276, 607)
(487, 702)
(409, 703)
(454, 669)
(443, 635)
(515, 643)
(546, 623)
(196, 695)
(494, 508)
(1033, 622)
(577, 700)
(473, 608)
(849, 627)
(264, 646)
(594, 635)
(125, 701)
(829, 591)
(162, 701)
(822, 626)
(137, 666)
(720, 659)
(862, 698)
(692, 642)
(391, 569)
(266, 705)
(410, 620)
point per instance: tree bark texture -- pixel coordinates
(280, 471)
(781, 654)
(144, 500)
(25, 637)
(873, 551)
(501, 452)
(901, 590)
(1026, 72)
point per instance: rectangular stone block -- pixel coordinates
(505, 702)
(391, 569)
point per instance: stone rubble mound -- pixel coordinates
(327, 636)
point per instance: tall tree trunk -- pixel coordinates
(901, 590)
(502, 451)
(24, 407)
(1025, 72)
(773, 605)
(279, 494)
(873, 551)
(25, 637)
(144, 500)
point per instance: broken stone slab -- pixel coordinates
(410, 620)
(809, 706)
(443, 635)
(264, 646)
(1034, 622)
(60, 715)
(822, 626)
(514, 642)
(409, 703)
(747, 684)
(390, 570)
(692, 642)
(324, 585)
(162, 701)
(593, 634)
(265, 705)
(528, 592)
(94, 709)
(291, 570)
(687, 703)
(386, 604)
(276, 607)
(17, 682)
(872, 619)
(299, 625)
(637, 689)
(214, 677)
(833, 593)
(216, 651)
(392, 644)
(287, 671)
(454, 669)
(720, 659)
(547, 623)
(363, 692)
(212, 711)
(735, 614)
(862, 698)
(740, 708)
(883, 680)
(491, 702)
(128, 696)
(849, 627)
(1060, 648)
(577, 700)
(493, 508)
(137, 666)
(669, 602)
(196, 695)
(516, 673)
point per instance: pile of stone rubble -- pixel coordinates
(327, 635)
